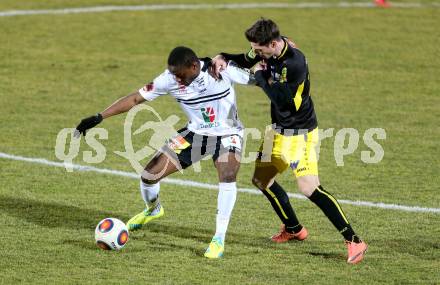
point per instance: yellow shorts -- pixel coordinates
(298, 152)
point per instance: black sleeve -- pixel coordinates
(282, 92)
(278, 93)
(244, 60)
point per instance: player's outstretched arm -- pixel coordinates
(238, 75)
(219, 62)
(121, 105)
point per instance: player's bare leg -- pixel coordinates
(227, 166)
(307, 184)
(264, 179)
(310, 186)
(159, 167)
(264, 176)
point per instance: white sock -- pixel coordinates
(150, 194)
(227, 195)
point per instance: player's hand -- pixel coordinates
(270, 81)
(262, 65)
(218, 64)
(87, 123)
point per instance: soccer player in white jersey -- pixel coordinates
(213, 129)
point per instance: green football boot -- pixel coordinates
(215, 248)
(142, 218)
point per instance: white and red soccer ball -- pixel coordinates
(111, 234)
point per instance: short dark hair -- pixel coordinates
(182, 56)
(263, 32)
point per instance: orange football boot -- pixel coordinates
(356, 251)
(382, 3)
(284, 236)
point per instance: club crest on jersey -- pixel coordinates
(283, 75)
(208, 114)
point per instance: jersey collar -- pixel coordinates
(284, 50)
(203, 71)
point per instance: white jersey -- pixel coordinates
(209, 104)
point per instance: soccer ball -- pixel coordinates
(111, 234)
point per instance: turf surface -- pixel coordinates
(370, 68)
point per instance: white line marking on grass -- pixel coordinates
(190, 183)
(231, 6)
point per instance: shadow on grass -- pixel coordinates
(151, 245)
(327, 255)
(88, 244)
(51, 214)
(200, 235)
(58, 215)
(185, 232)
(158, 245)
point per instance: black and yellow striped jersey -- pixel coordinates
(292, 107)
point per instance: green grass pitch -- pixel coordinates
(370, 68)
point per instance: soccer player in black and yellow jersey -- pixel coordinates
(281, 70)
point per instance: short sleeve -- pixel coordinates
(158, 87)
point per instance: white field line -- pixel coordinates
(231, 6)
(190, 183)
